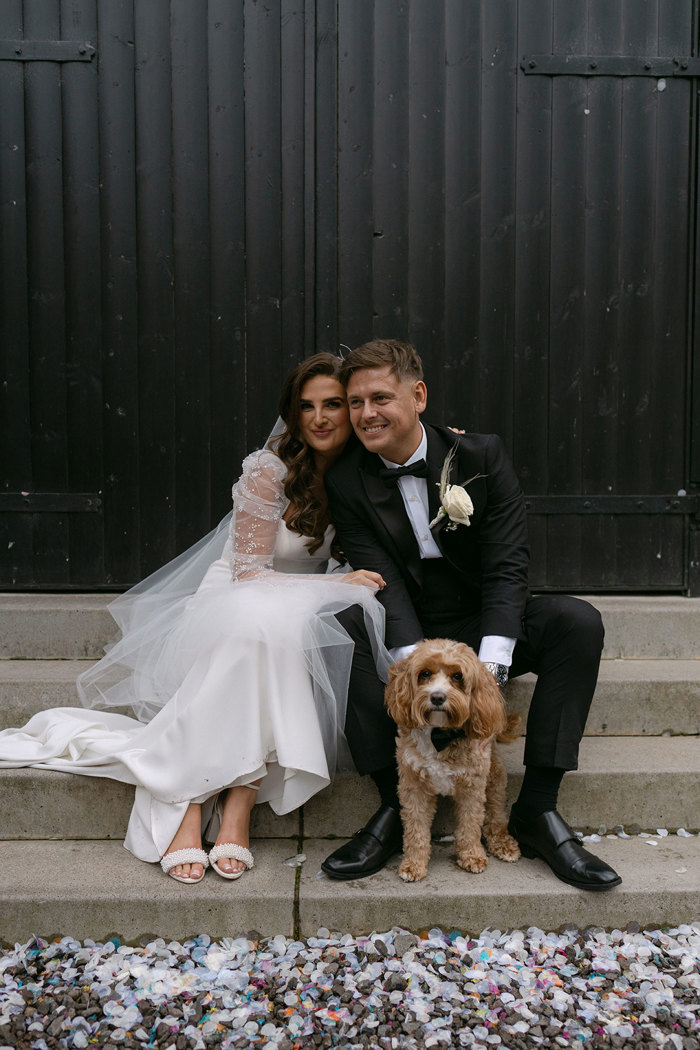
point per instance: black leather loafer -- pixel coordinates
(550, 837)
(369, 849)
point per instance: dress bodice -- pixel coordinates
(292, 554)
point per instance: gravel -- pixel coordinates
(629, 988)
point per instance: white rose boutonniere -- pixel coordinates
(455, 501)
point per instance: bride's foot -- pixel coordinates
(235, 825)
(188, 836)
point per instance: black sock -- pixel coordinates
(387, 781)
(539, 791)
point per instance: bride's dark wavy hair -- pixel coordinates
(309, 516)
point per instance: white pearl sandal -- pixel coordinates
(233, 852)
(185, 856)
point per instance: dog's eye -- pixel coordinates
(458, 676)
(424, 675)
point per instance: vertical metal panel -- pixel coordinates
(155, 360)
(390, 171)
(119, 291)
(229, 433)
(355, 168)
(426, 129)
(462, 223)
(82, 290)
(567, 288)
(191, 276)
(16, 532)
(46, 288)
(499, 60)
(326, 198)
(293, 158)
(532, 254)
(263, 206)
(600, 409)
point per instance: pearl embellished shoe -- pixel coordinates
(185, 856)
(233, 852)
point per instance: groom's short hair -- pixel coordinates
(401, 358)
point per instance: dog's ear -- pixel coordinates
(397, 695)
(487, 714)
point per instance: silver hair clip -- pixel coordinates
(342, 347)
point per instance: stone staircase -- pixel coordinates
(65, 870)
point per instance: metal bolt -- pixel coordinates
(684, 65)
(532, 65)
(647, 65)
(587, 504)
(82, 49)
(594, 65)
(18, 50)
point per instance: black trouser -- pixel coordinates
(562, 645)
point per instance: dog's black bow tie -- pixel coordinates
(442, 737)
(419, 469)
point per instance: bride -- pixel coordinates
(230, 657)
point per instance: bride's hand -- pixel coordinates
(365, 578)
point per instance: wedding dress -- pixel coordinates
(243, 677)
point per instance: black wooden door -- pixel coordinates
(194, 195)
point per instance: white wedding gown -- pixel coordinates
(242, 679)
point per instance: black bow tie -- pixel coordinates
(442, 737)
(391, 475)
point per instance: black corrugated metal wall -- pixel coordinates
(226, 186)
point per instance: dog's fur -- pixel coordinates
(442, 683)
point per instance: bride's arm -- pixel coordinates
(259, 503)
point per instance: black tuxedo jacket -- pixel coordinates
(489, 556)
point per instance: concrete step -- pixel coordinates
(650, 628)
(55, 626)
(76, 626)
(633, 698)
(97, 889)
(651, 782)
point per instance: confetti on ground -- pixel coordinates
(630, 988)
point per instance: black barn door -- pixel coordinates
(195, 195)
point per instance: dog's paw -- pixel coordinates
(504, 847)
(472, 862)
(411, 872)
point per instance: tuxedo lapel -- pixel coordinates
(387, 503)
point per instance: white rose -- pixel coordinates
(457, 504)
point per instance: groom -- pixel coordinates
(457, 577)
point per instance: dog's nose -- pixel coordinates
(438, 699)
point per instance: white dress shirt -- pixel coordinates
(414, 492)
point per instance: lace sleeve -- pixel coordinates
(258, 505)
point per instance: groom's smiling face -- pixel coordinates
(385, 412)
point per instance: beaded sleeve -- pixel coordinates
(258, 505)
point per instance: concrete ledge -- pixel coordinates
(42, 804)
(76, 626)
(652, 782)
(654, 892)
(96, 889)
(641, 628)
(633, 698)
(55, 626)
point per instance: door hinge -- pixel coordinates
(609, 66)
(46, 51)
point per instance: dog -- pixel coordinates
(443, 696)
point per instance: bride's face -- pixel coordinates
(324, 421)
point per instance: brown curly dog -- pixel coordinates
(443, 686)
